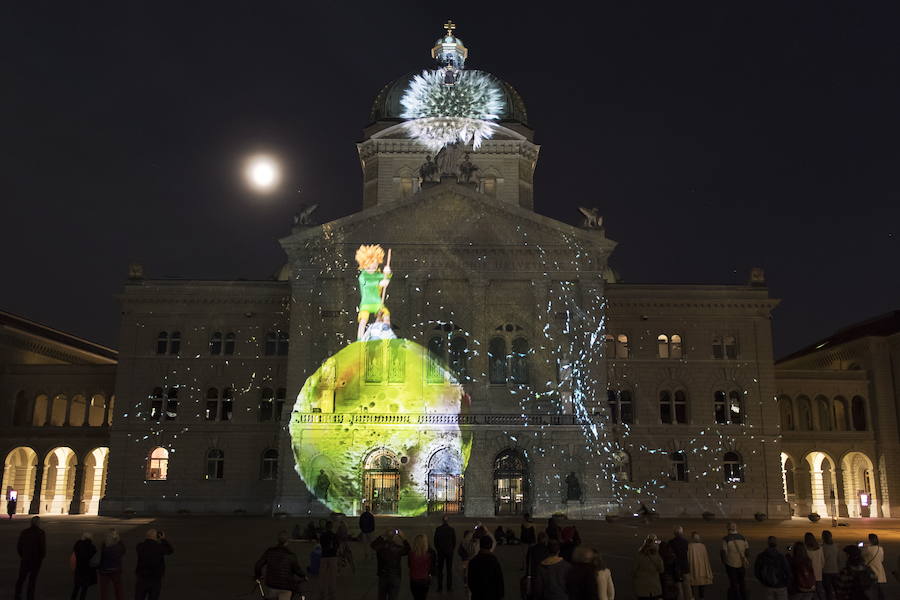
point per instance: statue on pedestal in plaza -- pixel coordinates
(322, 485)
(573, 487)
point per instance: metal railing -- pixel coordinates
(512, 420)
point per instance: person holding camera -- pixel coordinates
(283, 571)
(389, 549)
(151, 565)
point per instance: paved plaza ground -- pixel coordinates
(214, 556)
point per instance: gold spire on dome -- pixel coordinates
(449, 26)
(449, 49)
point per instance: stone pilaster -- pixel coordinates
(35, 508)
(77, 490)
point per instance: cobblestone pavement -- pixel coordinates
(214, 556)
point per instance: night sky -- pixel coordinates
(713, 139)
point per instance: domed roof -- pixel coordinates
(387, 102)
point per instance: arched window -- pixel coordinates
(725, 347)
(733, 467)
(673, 407)
(110, 410)
(175, 343)
(728, 407)
(804, 414)
(676, 350)
(40, 411)
(229, 344)
(840, 413)
(621, 466)
(497, 360)
(266, 398)
(162, 342)
(212, 404)
(679, 466)
(787, 413)
(609, 348)
(215, 464)
(158, 464)
(97, 410)
(172, 403)
(156, 404)
(280, 397)
(227, 404)
(662, 346)
(858, 413)
(790, 484)
(489, 186)
(519, 363)
(21, 412)
(58, 410)
(276, 343)
(509, 483)
(824, 411)
(621, 410)
(459, 358)
(215, 343)
(623, 350)
(269, 469)
(77, 411)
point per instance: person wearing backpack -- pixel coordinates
(873, 556)
(804, 584)
(735, 554)
(856, 581)
(773, 571)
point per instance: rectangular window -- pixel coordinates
(227, 404)
(156, 409)
(171, 408)
(280, 397)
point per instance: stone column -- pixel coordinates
(840, 500)
(803, 487)
(77, 490)
(35, 508)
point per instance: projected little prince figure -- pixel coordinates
(372, 287)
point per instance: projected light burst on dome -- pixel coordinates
(440, 114)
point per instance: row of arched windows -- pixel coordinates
(158, 464)
(728, 408)
(219, 404)
(79, 410)
(670, 345)
(823, 414)
(222, 344)
(732, 467)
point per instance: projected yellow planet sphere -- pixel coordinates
(373, 423)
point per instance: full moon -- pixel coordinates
(262, 173)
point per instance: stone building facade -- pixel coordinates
(582, 394)
(839, 402)
(58, 402)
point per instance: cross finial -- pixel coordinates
(449, 26)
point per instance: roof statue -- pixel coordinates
(592, 218)
(303, 217)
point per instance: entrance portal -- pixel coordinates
(509, 483)
(381, 482)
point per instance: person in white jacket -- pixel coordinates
(817, 557)
(604, 578)
(873, 557)
(701, 570)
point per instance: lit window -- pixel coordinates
(662, 346)
(623, 350)
(158, 465)
(675, 347)
(215, 464)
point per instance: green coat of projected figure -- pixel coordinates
(379, 419)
